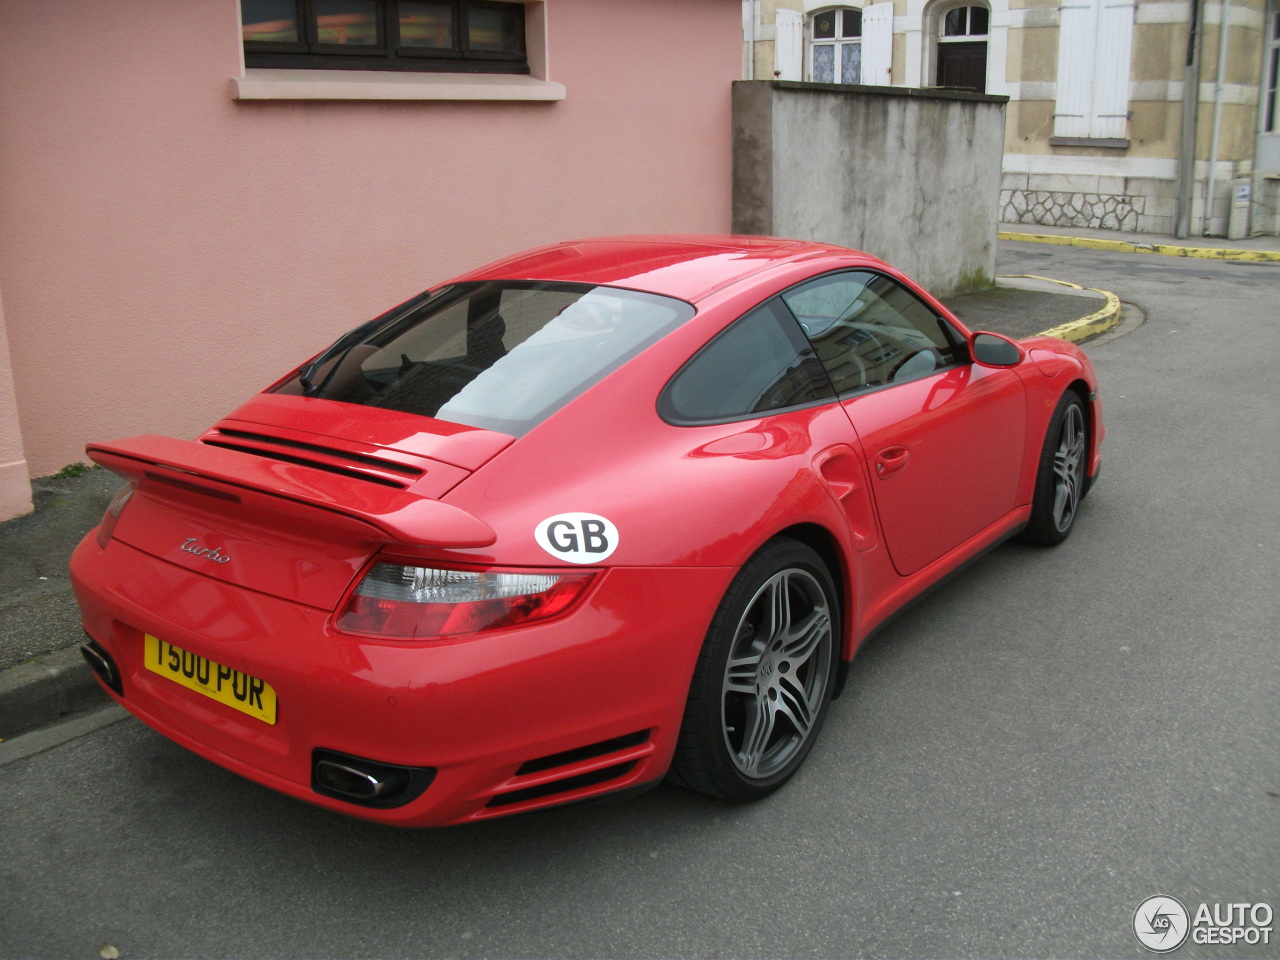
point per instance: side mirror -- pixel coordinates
(994, 350)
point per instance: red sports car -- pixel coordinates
(598, 514)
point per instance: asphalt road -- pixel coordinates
(1017, 762)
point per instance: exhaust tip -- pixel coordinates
(368, 783)
(342, 778)
(101, 663)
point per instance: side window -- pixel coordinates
(759, 364)
(869, 330)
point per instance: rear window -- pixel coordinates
(501, 355)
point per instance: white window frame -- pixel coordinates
(941, 38)
(838, 42)
(944, 37)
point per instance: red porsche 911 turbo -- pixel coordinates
(602, 513)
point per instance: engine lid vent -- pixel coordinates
(355, 465)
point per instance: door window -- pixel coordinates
(870, 331)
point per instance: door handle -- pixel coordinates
(891, 460)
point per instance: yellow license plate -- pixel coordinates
(237, 690)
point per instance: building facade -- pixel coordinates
(1107, 97)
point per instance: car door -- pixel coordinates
(943, 437)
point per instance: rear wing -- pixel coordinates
(395, 515)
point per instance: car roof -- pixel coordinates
(687, 267)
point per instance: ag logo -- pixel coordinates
(577, 537)
(1161, 924)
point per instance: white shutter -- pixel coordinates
(1095, 42)
(788, 48)
(877, 44)
(1073, 112)
(1111, 73)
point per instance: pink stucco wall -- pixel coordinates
(165, 250)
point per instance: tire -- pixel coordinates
(1060, 477)
(764, 677)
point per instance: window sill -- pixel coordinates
(1113, 143)
(385, 85)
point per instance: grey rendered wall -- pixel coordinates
(911, 176)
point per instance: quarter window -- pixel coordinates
(759, 365)
(836, 47)
(478, 36)
(869, 331)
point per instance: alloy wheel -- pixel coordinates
(777, 673)
(1068, 468)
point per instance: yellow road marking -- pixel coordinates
(1165, 249)
(1087, 327)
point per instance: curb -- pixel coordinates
(1087, 327)
(1165, 249)
(42, 690)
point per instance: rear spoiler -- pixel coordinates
(396, 515)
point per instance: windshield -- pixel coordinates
(500, 355)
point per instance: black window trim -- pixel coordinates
(309, 53)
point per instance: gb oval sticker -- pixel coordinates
(577, 537)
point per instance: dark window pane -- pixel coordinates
(852, 24)
(495, 28)
(272, 21)
(752, 368)
(824, 26)
(953, 26)
(426, 25)
(347, 22)
(978, 17)
(869, 331)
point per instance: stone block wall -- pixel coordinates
(1130, 204)
(1059, 209)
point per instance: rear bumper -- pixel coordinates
(510, 721)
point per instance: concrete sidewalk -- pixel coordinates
(42, 675)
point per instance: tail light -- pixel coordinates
(112, 516)
(396, 600)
